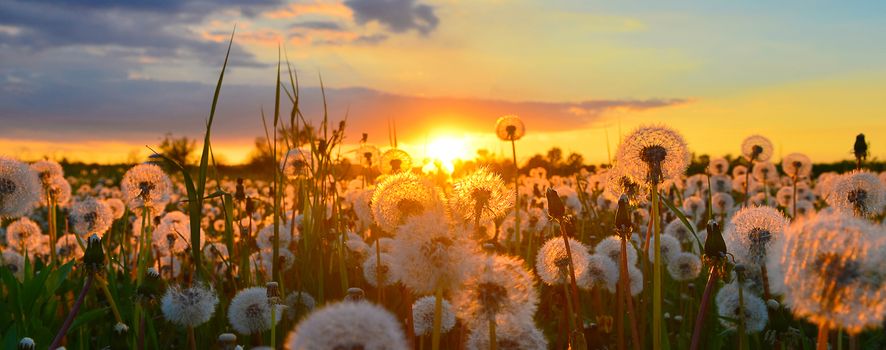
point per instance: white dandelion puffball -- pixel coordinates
(678, 230)
(752, 231)
(756, 148)
(755, 314)
(145, 185)
(14, 262)
(611, 247)
(552, 264)
(796, 165)
(635, 278)
(423, 316)
(59, 189)
(188, 307)
(511, 334)
(602, 271)
(509, 128)
(351, 325)
(684, 266)
(395, 161)
(401, 196)
(173, 236)
(652, 154)
(265, 237)
(19, 188)
(297, 162)
(67, 248)
(90, 216)
(832, 265)
(372, 270)
(718, 166)
(500, 285)
(482, 195)
(20, 231)
(670, 247)
(118, 208)
(298, 303)
(46, 170)
(429, 252)
(722, 203)
(250, 311)
(858, 192)
(694, 207)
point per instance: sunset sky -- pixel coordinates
(98, 80)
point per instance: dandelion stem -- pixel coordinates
(103, 284)
(626, 292)
(438, 317)
(53, 226)
(192, 340)
(273, 326)
(570, 317)
(656, 275)
(703, 309)
(822, 340)
(73, 313)
(572, 281)
(493, 340)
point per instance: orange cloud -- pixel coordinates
(326, 9)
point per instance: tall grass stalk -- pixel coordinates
(656, 274)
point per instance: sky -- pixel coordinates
(100, 80)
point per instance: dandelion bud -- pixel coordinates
(240, 193)
(555, 206)
(250, 206)
(861, 147)
(94, 257)
(740, 269)
(623, 225)
(354, 295)
(27, 344)
(151, 287)
(273, 290)
(714, 246)
(227, 341)
(121, 328)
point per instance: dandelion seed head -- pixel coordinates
(296, 163)
(423, 316)
(756, 148)
(19, 188)
(833, 264)
(372, 270)
(684, 266)
(694, 207)
(401, 196)
(428, 251)
(722, 203)
(298, 303)
(357, 325)
(481, 195)
(145, 185)
(395, 161)
(619, 182)
(90, 216)
(499, 285)
(718, 166)
(552, 264)
(653, 153)
(678, 230)
(858, 192)
(509, 128)
(117, 207)
(755, 314)
(67, 248)
(285, 233)
(250, 311)
(669, 245)
(60, 190)
(188, 307)
(721, 183)
(796, 165)
(611, 247)
(602, 271)
(14, 262)
(20, 231)
(752, 231)
(511, 334)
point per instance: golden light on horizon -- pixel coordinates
(445, 149)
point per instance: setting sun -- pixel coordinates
(445, 150)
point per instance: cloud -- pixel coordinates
(150, 28)
(397, 15)
(317, 25)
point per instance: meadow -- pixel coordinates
(346, 247)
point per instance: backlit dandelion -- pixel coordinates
(14, 263)
(250, 311)
(684, 266)
(796, 165)
(19, 188)
(296, 163)
(373, 270)
(552, 265)
(395, 161)
(752, 232)
(20, 231)
(58, 189)
(730, 307)
(858, 192)
(90, 216)
(367, 156)
(653, 153)
(611, 247)
(510, 128)
(601, 272)
(145, 185)
(833, 265)
(188, 307)
(423, 316)
(356, 325)
(619, 182)
(480, 197)
(756, 148)
(512, 334)
(498, 286)
(718, 166)
(401, 196)
(67, 248)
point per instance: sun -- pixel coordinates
(445, 150)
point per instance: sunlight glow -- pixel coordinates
(445, 150)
